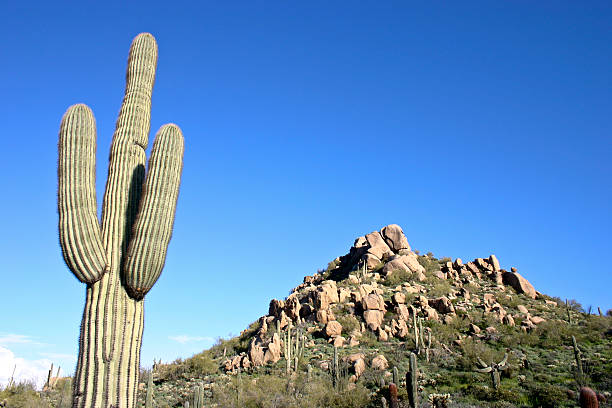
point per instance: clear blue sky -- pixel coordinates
(479, 127)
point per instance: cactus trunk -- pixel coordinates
(122, 258)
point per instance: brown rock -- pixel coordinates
(382, 335)
(276, 306)
(292, 307)
(494, 262)
(379, 363)
(322, 316)
(442, 305)
(256, 352)
(394, 237)
(373, 301)
(474, 329)
(339, 341)
(378, 246)
(373, 318)
(273, 352)
(402, 312)
(399, 298)
(520, 284)
(522, 309)
(536, 319)
(359, 366)
(333, 329)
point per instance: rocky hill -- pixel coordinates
(481, 335)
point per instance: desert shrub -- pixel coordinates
(201, 364)
(486, 393)
(22, 395)
(472, 349)
(397, 277)
(546, 395)
(349, 323)
(440, 288)
(274, 391)
(429, 263)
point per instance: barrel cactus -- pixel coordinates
(121, 257)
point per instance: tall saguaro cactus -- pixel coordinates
(121, 257)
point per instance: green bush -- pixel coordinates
(349, 323)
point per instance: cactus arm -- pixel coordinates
(153, 227)
(504, 361)
(79, 229)
(481, 363)
(484, 370)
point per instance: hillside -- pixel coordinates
(379, 303)
(482, 336)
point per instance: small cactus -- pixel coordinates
(393, 401)
(588, 398)
(412, 385)
(494, 369)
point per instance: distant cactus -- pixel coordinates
(579, 374)
(412, 385)
(120, 259)
(588, 398)
(198, 397)
(393, 401)
(149, 396)
(493, 369)
(395, 376)
(439, 400)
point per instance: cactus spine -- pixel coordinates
(412, 377)
(120, 258)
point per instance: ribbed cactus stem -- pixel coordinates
(412, 386)
(335, 372)
(578, 358)
(395, 376)
(149, 397)
(416, 329)
(588, 398)
(120, 258)
(393, 401)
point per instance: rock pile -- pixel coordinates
(315, 303)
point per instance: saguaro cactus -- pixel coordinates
(122, 257)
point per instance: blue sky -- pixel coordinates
(479, 127)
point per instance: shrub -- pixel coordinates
(202, 364)
(397, 277)
(349, 323)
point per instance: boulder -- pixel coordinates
(399, 298)
(373, 301)
(273, 352)
(359, 366)
(333, 329)
(520, 284)
(276, 306)
(494, 262)
(379, 363)
(402, 311)
(373, 318)
(442, 305)
(339, 341)
(377, 245)
(256, 352)
(292, 307)
(408, 263)
(522, 309)
(394, 238)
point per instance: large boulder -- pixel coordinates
(442, 305)
(373, 301)
(520, 284)
(394, 238)
(325, 295)
(373, 318)
(273, 352)
(333, 329)
(377, 245)
(494, 262)
(408, 262)
(380, 363)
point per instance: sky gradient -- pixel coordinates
(479, 127)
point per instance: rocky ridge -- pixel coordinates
(353, 286)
